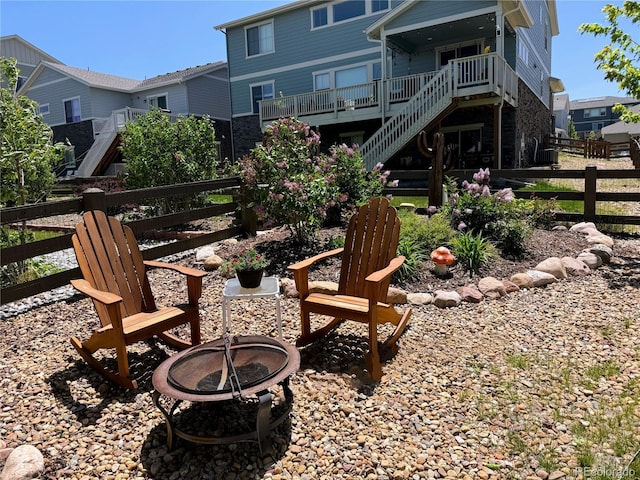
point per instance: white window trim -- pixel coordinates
(368, 11)
(44, 105)
(151, 97)
(246, 46)
(259, 84)
(332, 73)
(64, 111)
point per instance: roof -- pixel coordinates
(601, 102)
(268, 13)
(560, 102)
(122, 84)
(18, 38)
(622, 127)
(180, 75)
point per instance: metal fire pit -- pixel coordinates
(227, 369)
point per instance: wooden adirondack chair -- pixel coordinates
(115, 278)
(368, 261)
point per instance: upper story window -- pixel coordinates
(262, 91)
(259, 39)
(523, 52)
(595, 112)
(158, 101)
(341, 11)
(72, 110)
(43, 109)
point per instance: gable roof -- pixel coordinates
(122, 84)
(561, 102)
(601, 102)
(632, 129)
(31, 46)
(180, 75)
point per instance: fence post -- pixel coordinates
(94, 199)
(248, 217)
(590, 182)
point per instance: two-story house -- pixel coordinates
(27, 55)
(378, 72)
(87, 108)
(593, 114)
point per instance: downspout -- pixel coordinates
(233, 148)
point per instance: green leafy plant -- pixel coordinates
(427, 232)
(472, 251)
(248, 261)
(414, 255)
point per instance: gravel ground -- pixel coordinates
(514, 388)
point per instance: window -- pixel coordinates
(320, 17)
(321, 81)
(351, 76)
(595, 112)
(349, 9)
(376, 71)
(20, 82)
(597, 126)
(72, 110)
(263, 91)
(260, 39)
(44, 109)
(352, 138)
(459, 51)
(158, 101)
(379, 5)
(523, 52)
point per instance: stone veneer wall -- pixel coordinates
(79, 134)
(536, 121)
(246, 132)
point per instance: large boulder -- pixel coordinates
(23, 463)
(575, 266)
(492, 287)
(446, 298)
(554, 266)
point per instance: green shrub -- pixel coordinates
(510, 235)
(428, 233)
(414, 255)
(472, 251)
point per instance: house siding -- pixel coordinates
(62, 88)
(176, 98)
(103, 102)
(27, 58)
(209, 96)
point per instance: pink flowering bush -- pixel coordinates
(288, 180)
(473, 208)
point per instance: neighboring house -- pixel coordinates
(27, 56)
(593, 114)
(87, 108)
(561, 114)
(378, 72)
(620, 132)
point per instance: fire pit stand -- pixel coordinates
(228, 369)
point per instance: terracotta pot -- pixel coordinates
(250, 279)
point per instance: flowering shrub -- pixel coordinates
(289, 181)
(248, 261)
(473, 208)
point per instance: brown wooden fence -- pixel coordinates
(589, 148)
(103, 201)
(99, 200)
(589, 196)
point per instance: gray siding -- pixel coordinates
(103, 102)
(27, 58)
(209, 95)
(291, 66)
(43, 91)
(176, 98)
(433, 11)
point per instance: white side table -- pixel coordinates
(269, 287)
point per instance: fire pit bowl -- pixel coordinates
(229, 368)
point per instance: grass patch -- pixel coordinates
(606, 369)
(517, 360)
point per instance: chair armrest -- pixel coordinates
(176, 268)
(106, 298)
(306, 263)
(194, 278)
(386, 272)
(301, 270)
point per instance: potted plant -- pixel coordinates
(248, 267)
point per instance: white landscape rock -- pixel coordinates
(584, 228)
(604, 239)
(575, 266)
(601, 250)
(419, 298)
(205, 252)
(212, 263)
(23, 463)
(492, 287)
(522, 280)
(446, 298)
(554, 266)
(541, 279)
(592, 260)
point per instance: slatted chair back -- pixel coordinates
(110, 260)
(371, 242)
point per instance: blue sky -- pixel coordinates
(142, 39)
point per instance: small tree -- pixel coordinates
(572, 130)
(620, 60)
(27, 154)
(160, 152)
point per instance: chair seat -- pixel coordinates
(145, 324)
(355, 307)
